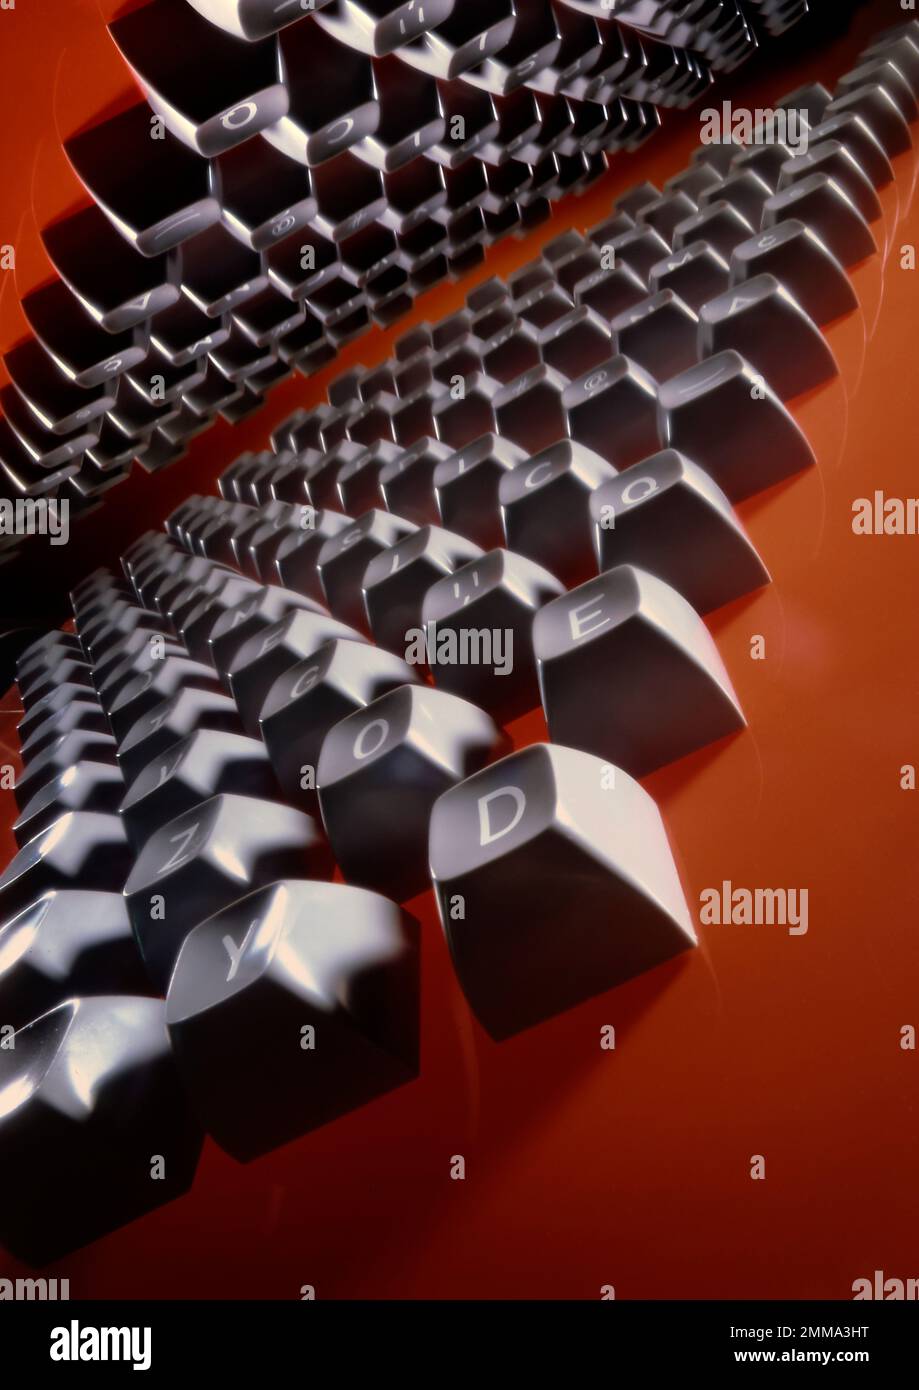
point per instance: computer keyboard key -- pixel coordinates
(880, 113)
(208, 858)
(396, 581)
(333, 103)
(832, 158)
(45, 650)
(183, 334)
(295, 562)
(44, 711)
(467, 411)
(343, 560)
(258, 538)
(82, 786)
(219, 273)
(81, 849)
(544, 505)
(58, 404)
(84, 351)
(659, 334)
(658, 687)
(68, 942)
(161, 680)
(852, 131)
(665, 515)
(612, 411)
(322, 479)
(256, 19)
(497, 594)
(296, 961)
(156, 191)
(313, 695)
(576, 342)
(265, 195)
(210, 90)
(252, 615)
(23, 476)
(380, 771)
(798, 259)
(886, 73)
(407, 483)
(459, 41)
(60, 755)
(697, 273)
(115, 284)
(719, 225)
(171, 721)
(81, 712)
(757, 442)
(528, 411)
(263, 658)
(466, 486)
(514, 846)
(760, 320)
(43, 679)
(139, 652)
(188, 773)
(93, 1097)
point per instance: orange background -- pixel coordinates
(586, 1167)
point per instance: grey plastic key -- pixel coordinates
(662, 689)
(513, 846)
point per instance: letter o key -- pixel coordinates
(360, 751)
(249, 111)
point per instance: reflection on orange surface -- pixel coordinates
(632, 1167)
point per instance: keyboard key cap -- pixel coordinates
(314, 694)
(155, 191)
(297, 960)
(659, 333)
(60, 755)
(529, 411)
(666, 516)
(798, 259)
(148, 688)
(83, 350)
(82, 849)
(396, 581)
(263, 658)
(612, 411)
(67, 942)
(82, 786)
(171, 50)
(381, 770)
(757, 442)
(201, 765)
(252, 615)
(545, 508)
(514, 846)
(344, 558)
(255, 19)
(832, 158)
(761, 320)
(172, 720)
(116, 285)
(94, 1097)
(660, 687)
(497, 594)
(333, 104)
(466, 485)
(206, 859)
(219, 274)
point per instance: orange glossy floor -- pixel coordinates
(587, 1167)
